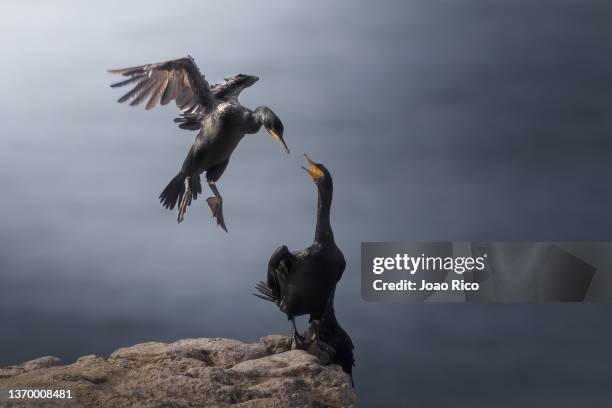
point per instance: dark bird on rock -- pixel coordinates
(301, 282)
(332, 334)
(215, 111)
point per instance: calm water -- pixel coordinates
(439, 120)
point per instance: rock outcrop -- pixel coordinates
(188, 373)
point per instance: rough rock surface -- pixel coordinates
(188, 373)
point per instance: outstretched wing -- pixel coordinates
(232, 87)
(176, 80)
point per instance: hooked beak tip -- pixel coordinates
(282, 141)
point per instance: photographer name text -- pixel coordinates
(413, 264)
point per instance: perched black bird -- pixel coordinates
(332, 334)
(215, 111)
(301, 282)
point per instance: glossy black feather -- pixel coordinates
(265, 292)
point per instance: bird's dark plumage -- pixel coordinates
(175, 190)
(331, 333)
(304, 282)
(300, 282)
(215, 111)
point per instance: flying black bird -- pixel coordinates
(215, 111)
(331, 333)
(301, 282)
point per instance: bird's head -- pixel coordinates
(273, 125)
(318, 172)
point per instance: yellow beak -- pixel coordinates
(315, 172)
(279, 139)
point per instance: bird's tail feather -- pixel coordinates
(265, 292)
(174, 191)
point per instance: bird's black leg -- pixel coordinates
(185, 201)
(216, 205)
(297, 338)
(315, 330)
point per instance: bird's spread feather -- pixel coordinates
(179, 80)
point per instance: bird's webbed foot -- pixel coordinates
(322, 350)
(298, 342)
(216, 206)
(317, 347)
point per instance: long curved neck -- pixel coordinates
(324, 233)
(256, 120)
(258, 115)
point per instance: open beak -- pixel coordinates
(314, 172)
(279, 139)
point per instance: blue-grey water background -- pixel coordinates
(439, 120)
